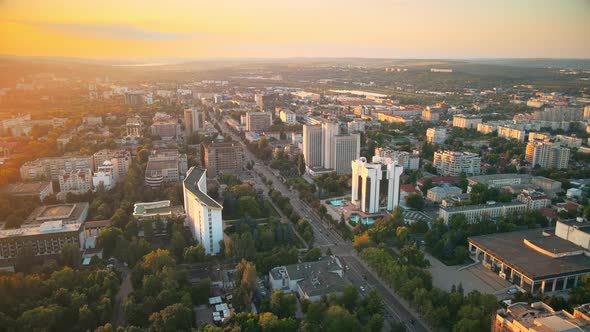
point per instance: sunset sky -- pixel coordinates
(302, 28)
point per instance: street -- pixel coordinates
(326, 237)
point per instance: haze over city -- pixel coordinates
(307, 28)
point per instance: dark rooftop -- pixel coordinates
(190, 183)
(511, 249)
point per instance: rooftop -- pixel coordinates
(48, 227)
(512, 249)
(160, 208)
(25, 188)
(480, 206)
(190, 183)
(69, 213)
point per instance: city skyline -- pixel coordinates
(264, 29)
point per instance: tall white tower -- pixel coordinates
(367, 179)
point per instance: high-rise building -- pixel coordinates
(193, 121)
(547, 154)
(466, 121)
(203, 213)
(258, 121)
(346, 148)
(223, 157)
(329, 131)
(454, 163)
(312, 145)
(367, 179)
(268, 102)
(165, 126)
(165, 166)
(511, 133)
(436, 135)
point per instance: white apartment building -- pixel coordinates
(51, 168)
(105, 175)
(486, 128)
(119, 159)
(408, 160)
(312, 146)
(323, 147)
(547, 154)
(367, 179)
(203, 213)
(465, 121)
(474, 213)
(288, 117)
(534, 200)
(511, 133)
(75, 181)
(454, 163)
(569, 141)
(436, 135)
(356, 125)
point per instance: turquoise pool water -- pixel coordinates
(365, 221)
(337, 202)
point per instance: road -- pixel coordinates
(124, 291)
(326, 237)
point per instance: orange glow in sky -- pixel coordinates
(302, 28)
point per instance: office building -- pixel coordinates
(104, 176)
(202, 212)
(437, 194)
(547, 154)
(288, 117)
(367, 179)
(193, 121)
(466, 121)
(540, 317)
(454, 163)
(346, 148)
(258, 121)
(511, 133)
(436, 135)
(75, 181)
(475, 213)
(51, 168)
(120, 160)
(310, 280)
(165, 166)
(28, 189)
(225, 157)
(329, 131)
(134, 127)
(313, 151)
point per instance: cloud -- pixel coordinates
(121, 31)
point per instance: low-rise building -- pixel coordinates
(511, 133)
(156, 210)
(437, 194)
(75, 181)
(534, 200)
(288, 117)
(165, 166)
(71, 213)
(104, 176)
(28, 189)
(310, 280)
(474, 213)
(540, 317)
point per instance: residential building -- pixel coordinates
(436, 135)
(466, 121)
(203, 213)
(345, 149)
(393, 118)
(105, 176)
(486, 128)
(288, 117)
(45, 240)
(534, 136)
(474, 213)
(430, 115)
(437, 194)
(193, 121)
(511, 133)
(408, 160)
(367, 179)
(258, 121)
(330, 130)
(161, 210)
(310, 280)
(75, 181)
(165, 126)
(134, 127)
(313, 151)
(356, 125)
(569, 141)
(559, 113)
(547, 154)
(535, 200)
(165, 166)
(119, 159)
(455, 163)
(268, 102)
(539, 317)
(51, 168)
(223, 157)
(28, 189)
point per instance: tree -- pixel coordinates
(283, 305)
(108, 238)
(313, 255)
(375, 323)
(70, 255)
(194, 254)
(402, 233)
(177, 244)
(415, 201)
(175, 317)
(337, 319)
(245, 282)
(362, 241)
(349, 298)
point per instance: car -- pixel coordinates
(362, 288)
(511, 291)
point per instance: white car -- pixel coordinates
(362, 288)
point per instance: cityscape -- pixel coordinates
(190, 167)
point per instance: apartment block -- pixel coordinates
(258, 121)
(436, 135)
(454, 163)
(223, 157)
(120, 161)
(466, 121)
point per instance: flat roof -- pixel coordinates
(49, 227)
(190, 183)
(25, 188)
(480, 206)
(66, 212)
(511, 249)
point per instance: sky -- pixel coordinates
(193, 29)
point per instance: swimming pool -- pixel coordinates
(337, 202)
(364, 221)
